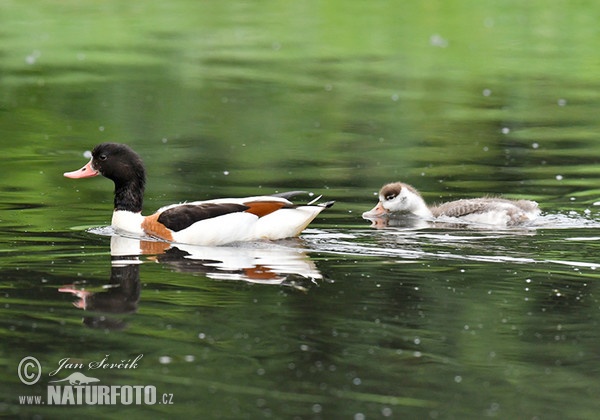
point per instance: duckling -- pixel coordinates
(403, 198)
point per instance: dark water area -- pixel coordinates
(459, 99)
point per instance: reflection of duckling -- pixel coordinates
(400, 197)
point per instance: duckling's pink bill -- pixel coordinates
(377, 211)
(86, 172)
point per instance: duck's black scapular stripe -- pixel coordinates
(181, 217)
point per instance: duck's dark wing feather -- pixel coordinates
(183, 216)
(289, 194)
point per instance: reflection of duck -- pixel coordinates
(282, 264)
(212, 222)
(400, 197)
(120, 296)
(253, 264)
(267, 263)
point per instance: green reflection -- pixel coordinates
(460, 99)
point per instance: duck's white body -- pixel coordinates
(233, 227)
(210, 222)
(399, 197)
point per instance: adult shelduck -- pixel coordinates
(398, 197)
(211, 222)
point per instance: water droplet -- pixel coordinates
(32, 58)
(436, 40)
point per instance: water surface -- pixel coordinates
(459, 99)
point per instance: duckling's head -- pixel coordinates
(398, 197)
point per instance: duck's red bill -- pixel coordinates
(86, 172)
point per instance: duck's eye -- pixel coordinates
(102, 157)
(390, 197)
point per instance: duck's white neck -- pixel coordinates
(128, 221)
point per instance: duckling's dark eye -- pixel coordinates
(390, 197)
(102, 157)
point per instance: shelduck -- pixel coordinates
(399, 197)
(212, 222)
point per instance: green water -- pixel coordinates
(458, 98)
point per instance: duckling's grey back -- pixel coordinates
(515, 211)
